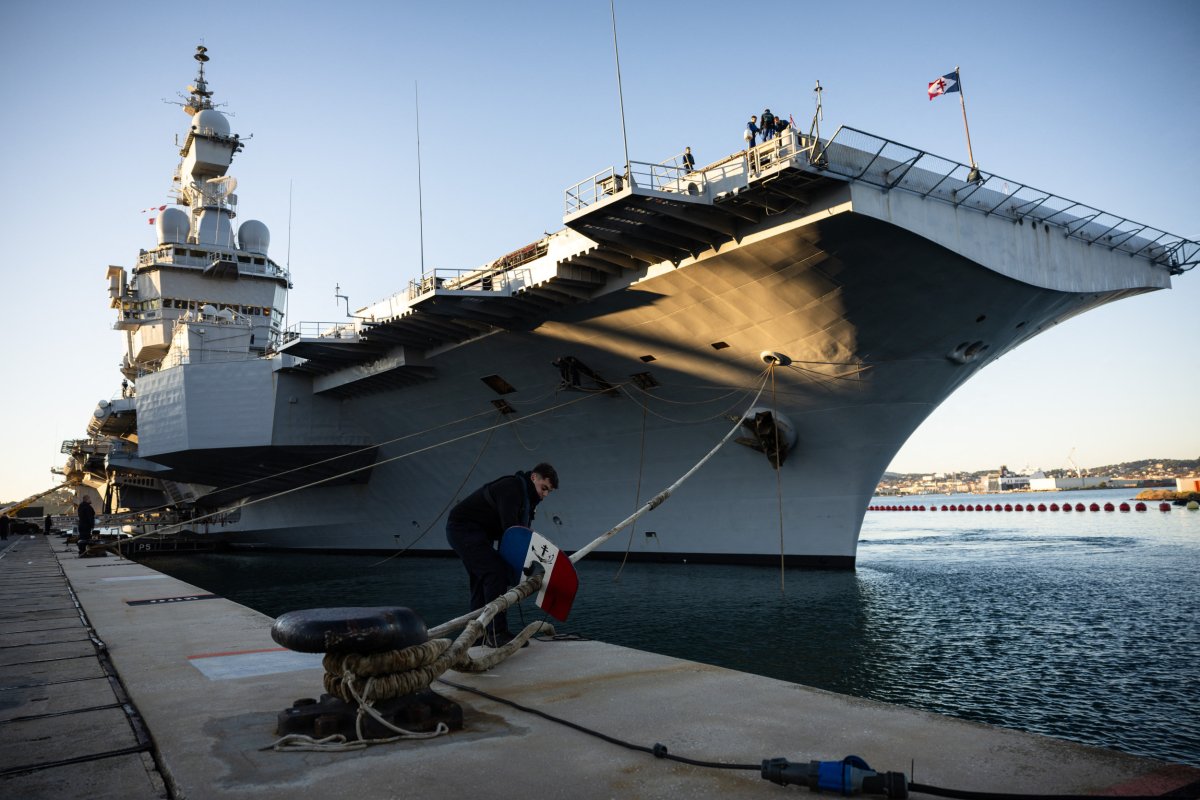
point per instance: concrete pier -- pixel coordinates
(148, 687)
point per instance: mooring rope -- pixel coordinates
(579, 554)
(365, 679)
(178, 526)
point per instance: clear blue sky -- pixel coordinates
(1095, 101)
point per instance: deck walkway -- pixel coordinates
(205, 676)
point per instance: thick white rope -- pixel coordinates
(528, 586)
(473, 624)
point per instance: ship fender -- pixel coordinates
(771, 433)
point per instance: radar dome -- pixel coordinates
(172, 226)
(215, 227)
(254, 237)
(209, 120)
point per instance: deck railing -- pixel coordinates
(860, 156)
(346, 331)
(665, 176)
(856, 155)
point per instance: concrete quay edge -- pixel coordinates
(208, 681)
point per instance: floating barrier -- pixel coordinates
(1164, 506)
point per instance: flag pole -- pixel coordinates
(973, 175)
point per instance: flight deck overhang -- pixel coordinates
(664, 212)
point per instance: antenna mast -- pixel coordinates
(620, 92)
(420, 194)
(814, 130)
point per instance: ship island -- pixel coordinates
(823, 295)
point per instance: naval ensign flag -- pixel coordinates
(944, 85)
(521, 547)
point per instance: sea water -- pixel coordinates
(1080, 625)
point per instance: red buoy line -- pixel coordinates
(1139, 506)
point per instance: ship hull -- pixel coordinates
(870, 314)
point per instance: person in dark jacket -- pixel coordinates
(5, 522)
(46, 529)
(767, 121)
(87, 521)
(475, 526)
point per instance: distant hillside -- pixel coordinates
(1147, 467)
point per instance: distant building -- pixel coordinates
(1005, 481)
(1078, 482)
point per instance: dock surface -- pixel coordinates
(119, 681)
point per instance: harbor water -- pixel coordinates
(1080, 625)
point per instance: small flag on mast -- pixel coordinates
(944, 85)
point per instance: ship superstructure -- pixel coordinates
(856, 281)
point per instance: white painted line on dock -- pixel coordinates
(251, 663)
(133, 578)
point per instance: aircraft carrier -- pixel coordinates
(823, 293)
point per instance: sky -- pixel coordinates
(1094, 101)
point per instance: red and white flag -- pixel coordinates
(944, 85)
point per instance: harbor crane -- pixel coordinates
(15, 507)
(1078, 472)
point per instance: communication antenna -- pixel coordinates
(337, 295)
(288, 260)
(620, 92)
(818, 115)
(420, 194)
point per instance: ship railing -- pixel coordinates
(860, 156)
(173, 254)
(90, 446)
(128, 319)
(589, 191)
(122, 448)
(344, 331)
(504, 280)
(668, 177)
(207, 355)
(788, 148)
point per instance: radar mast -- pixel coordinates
(201, 97)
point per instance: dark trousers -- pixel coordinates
(489, 573)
